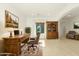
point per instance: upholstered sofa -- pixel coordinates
(71, 35)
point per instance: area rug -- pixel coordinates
(38, 51)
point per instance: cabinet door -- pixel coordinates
(52, 30)
(13, 48)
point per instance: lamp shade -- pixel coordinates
(10, 30)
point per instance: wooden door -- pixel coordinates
(52, 30)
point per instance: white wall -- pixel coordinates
(28, 16)
(70, 24)
(4, 7)
(67, 25)
(31, 22)
(61, 28)
(63, 23)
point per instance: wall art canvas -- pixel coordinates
(40, 27)
(76, 25)
(11, 20)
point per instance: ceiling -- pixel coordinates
(73, 13)
(38, 9)
(42, 10)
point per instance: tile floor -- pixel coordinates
(63, 47)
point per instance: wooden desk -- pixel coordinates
(13, 44)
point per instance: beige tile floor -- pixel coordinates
(63, 47)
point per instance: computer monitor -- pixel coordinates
(16, 32)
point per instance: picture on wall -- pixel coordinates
(11, 20)
(40, 27)
(27, 29)
(76, 25)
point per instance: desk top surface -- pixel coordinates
(17, 36)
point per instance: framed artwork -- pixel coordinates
(76, 25)
(40, 27)
(11, 20)
(27, 29)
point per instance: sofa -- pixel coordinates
(71, 35)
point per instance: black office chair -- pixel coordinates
(33, 42)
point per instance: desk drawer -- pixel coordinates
(11, 41)
(12, 48)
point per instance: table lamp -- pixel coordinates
(10, 30)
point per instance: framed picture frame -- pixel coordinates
(76, 25)
(40, 27)
(28, 30)
(11, 20)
